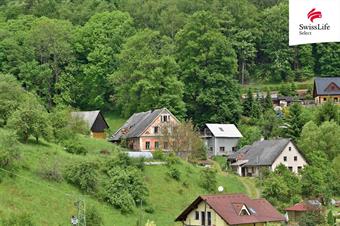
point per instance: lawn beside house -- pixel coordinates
(114, 120)
(52, 203)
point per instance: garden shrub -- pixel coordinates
(124, 188)
(149, 209)
(174, 173)
(75, 147)
(9, 151)
(208, 179)
(172, 159)
(93, 217)
(51, 172)
(158, 155)
(123, 160)
(83, 175)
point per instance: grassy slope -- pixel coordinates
(114, 121)
(52, 203)
(275, 86)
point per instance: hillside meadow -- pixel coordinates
(24, 191)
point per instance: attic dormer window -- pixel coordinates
(221, 129)
(244, 211)
(165, 118)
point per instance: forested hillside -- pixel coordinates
(194, 58)
(134, 55)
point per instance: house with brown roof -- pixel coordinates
(296, 211)
(229, 209)
(251, 159)
(95, 122)
(143, 130)
(326, 88)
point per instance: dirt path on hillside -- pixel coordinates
(250, 185)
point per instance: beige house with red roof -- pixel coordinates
(229, 209)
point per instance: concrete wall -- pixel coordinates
(290, 151)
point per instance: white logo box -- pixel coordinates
(325, 29)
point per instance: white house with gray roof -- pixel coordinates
(249, 160)
(220, 139)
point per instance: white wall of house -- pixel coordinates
(291, 158)
(226, 143)
(216, 144)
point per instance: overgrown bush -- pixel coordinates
(83, 175)
(9, 151)
(73, 146)
(93, 217)
(172, 159)
(123, 160)
(51, 172)
(78, 125)
(124, 188)
(158, 155)
(22, 219)
(149, 209)
(11, 96)
(30, 119)
(311, 218)
(208, 179)
(174, 173)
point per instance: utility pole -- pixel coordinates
(81, 214)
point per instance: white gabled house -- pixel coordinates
(249, 160)
(220, 139)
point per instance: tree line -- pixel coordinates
(189, 56)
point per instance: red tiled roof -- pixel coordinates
(309, 205)
(224, 206)
(298, 207)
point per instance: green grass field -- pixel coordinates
(114, 121)
(52, 203)
(275, 86)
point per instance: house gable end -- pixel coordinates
(147, 131)
(99, 124)
(332, 87)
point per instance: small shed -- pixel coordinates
(296, 211)
(95, 122)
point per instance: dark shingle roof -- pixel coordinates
(261, 153)
(228, 206)
(136, 124)
(321, 84)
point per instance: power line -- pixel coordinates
(32, 181)
(79, 204)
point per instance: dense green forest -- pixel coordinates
(125, 56)
(189, 56)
